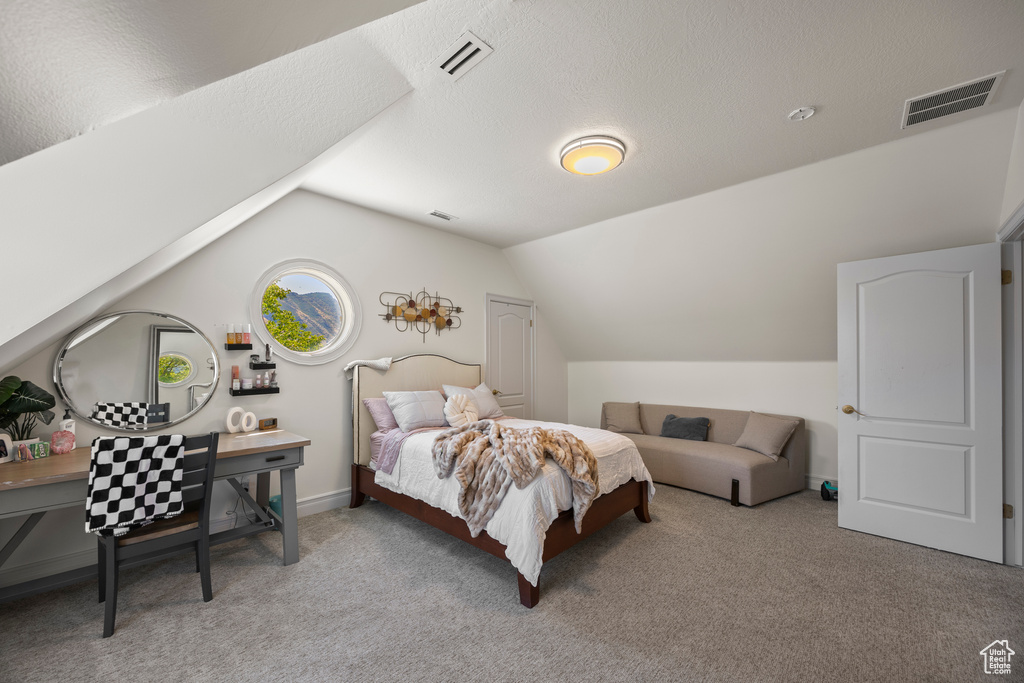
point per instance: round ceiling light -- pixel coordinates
(592, 155)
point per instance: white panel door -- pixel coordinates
(920, 360)
(510, 356)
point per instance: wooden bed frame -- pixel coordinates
(424, 372)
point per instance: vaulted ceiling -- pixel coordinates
(69, 67)
(698, 90)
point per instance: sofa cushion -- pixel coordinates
(726, 425)
(623, 418)
(689, 428)
(766, 435)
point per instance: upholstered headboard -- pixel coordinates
(421, 372)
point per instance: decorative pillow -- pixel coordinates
(416, 409)
(487, 407)
(381, 413)
(766, 435)
(460, 410)
(623, 418)
(690, 428)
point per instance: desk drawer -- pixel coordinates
(25, 501)
(258, 462)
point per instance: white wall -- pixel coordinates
(728, 299)
(1014, 192)
(375, 253)
(807, 390)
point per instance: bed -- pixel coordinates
(423, 372)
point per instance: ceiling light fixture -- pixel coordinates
(801, 114)
(592, 155)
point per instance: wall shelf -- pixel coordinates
(238, 347)
(254, 392)
(262, 366)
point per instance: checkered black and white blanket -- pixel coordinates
(133, 480)
(124, 415)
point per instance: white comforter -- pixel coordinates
(522, 521)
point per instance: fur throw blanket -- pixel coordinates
(487, 457)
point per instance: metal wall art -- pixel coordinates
(422, 312)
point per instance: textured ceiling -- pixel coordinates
(70, 66)
(698, 90)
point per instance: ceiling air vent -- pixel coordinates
(443, 216)
(462, 55)
(959, 98)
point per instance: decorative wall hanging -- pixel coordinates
(422, 312)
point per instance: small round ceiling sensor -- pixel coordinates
(801, 114)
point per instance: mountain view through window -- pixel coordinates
(302, 312)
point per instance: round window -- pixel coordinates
(174, 369)
(306, 312)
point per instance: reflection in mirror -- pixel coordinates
(136, 370)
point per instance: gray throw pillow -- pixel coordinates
(623, 418)
(765, 434)
(691, 428)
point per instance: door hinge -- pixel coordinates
(1007, 277)
(1007, 511)
(531, 323)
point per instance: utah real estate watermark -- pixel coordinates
(997, 656)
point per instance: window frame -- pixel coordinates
(351, 311)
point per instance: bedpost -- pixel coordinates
(529, 595)
(357, 496)
(641, 511)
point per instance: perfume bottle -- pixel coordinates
(246, 334)
(231, 334)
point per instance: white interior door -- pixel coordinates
(920, 359)
(510, 354)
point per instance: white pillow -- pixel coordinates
(416, 409)
(487, 407)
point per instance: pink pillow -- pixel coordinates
(381, 413)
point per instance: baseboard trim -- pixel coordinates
(324, 502)
(814, 481)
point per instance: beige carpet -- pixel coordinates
(706, 592)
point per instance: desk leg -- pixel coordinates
(290, 513)
(263, 489)
(20, 535)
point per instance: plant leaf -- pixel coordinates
(29, 398)
(8, 385)
(46, 416)
(7, 420)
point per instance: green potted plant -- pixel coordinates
(23, 406)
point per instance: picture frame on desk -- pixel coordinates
(6, 448)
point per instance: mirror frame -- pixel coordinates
(64, 348)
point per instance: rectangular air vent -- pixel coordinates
(462, 55)
(443, 216)
(959, 98)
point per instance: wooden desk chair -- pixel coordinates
(162, 537)
(158, 412)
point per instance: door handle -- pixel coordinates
(495, 392)
(849, 410)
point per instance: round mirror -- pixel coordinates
(136, 370)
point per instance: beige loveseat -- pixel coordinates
(715, 466)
